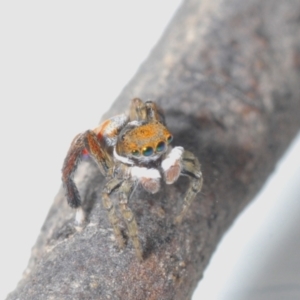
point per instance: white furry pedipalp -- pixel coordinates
(141, 172)
(148, 178)
(172, 158)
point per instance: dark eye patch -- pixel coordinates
(169, 139)
(147, 151)
(135, 152)
(161, 146)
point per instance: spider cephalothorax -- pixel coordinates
(131, 149)
(143, 141)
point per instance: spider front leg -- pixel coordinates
(89, 141)
(181, 162)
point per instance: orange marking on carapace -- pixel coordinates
(149, 131)
(145, 132)
(148, 135)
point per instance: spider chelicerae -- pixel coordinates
(130, 149)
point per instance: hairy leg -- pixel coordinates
(69, 167)
(96, 151)
(148, 111)
(112, 185)
(154, 112)
(191, 168)
(125, 191)
(87, 140)
(137, 110)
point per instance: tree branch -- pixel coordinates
(227, 75)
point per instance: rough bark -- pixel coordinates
(227, 75)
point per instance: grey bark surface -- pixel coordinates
(227, 74)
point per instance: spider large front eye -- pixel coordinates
(161, 146)
(135, 152)
(169, 139)
(147, 151)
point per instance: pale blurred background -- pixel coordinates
(62, 64)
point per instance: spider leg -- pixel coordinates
(112, 185)
(148, 111)
(69, 167)
(125, 191)
(191, 168)
(154, 112)
(137, 110)
(96, 151)
(87, 140)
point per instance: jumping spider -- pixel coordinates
(131, 149)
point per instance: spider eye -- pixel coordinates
(161, 146)
(147, 151)
(135, 152)
(169, 139)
